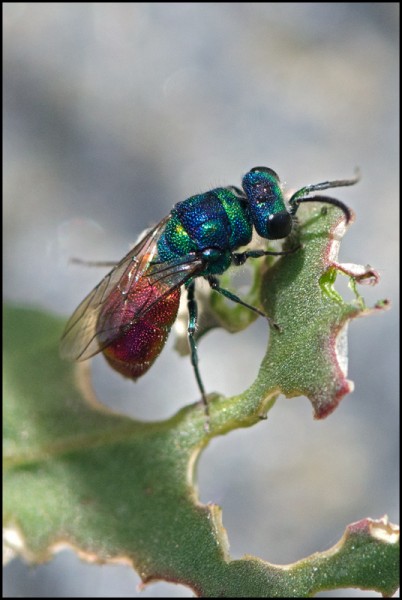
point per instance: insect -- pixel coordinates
(129, 314)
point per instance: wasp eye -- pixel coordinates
(279, 225)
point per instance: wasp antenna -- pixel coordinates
(324, 185)
(302, 195)
(323, 200)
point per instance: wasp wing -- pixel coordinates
(85, 334)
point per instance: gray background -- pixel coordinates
(114, 112)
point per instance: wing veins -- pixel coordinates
(80, 339)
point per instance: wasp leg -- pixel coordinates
(93, 263)
(239, 258)
(214, 283)
(192, 325)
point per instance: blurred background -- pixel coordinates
(115, 112)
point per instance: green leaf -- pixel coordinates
(309, 356)
(118, 489)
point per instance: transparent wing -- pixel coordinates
(124, 296)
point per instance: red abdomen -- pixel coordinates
(135, 351)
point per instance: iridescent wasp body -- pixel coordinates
(128, 316)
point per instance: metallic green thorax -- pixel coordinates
(217, 220)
